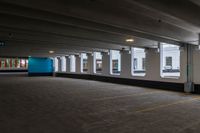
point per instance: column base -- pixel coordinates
(188, 87)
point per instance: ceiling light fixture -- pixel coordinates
(130, 40)
(51, 52)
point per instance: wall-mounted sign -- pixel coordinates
(2, 43)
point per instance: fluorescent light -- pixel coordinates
(51, 52)
(130, 40)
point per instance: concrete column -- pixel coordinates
(59, 64)
(188, 87)
(126, 63)
(78, 63)
(152, 64)
(90, 63)
(67, 58)
(106, 63)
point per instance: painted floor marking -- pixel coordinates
(167, 105)
(130, 95)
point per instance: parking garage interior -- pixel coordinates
(96, 66)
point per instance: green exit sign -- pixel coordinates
(2, 43)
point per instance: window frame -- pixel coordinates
(111, 63)
(95, 63)
(133, 63)
(82, 62)
(162, 62)
(167, 61)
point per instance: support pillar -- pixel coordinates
(6, 63)
(126, 63)
(78, 63)
(106, 63)
(0, 63)
(67, 58)
(90, 63)
(59, 64)
(26, 63)
(16, 63)
(189, 86)
(11, 63)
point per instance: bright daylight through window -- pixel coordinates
(97, 62)
(138, 61)
(84, 62)
(170, 60)
(13, 63)
(115, 57)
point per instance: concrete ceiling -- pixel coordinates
(196, 2)
(34, 27)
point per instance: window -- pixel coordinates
(170, 60)
(23, 63)
(143, 63)
(115, 57)
(84, 62)
(72, 63)
(13, 63)
(135, 63)
(138, 61)
(97, 62)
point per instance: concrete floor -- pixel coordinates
(61, 105)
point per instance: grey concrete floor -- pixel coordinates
(62, 105)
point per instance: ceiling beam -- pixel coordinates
(169, 35)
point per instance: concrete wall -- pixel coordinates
(152, 66)
(40, 65)
(196, 66)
